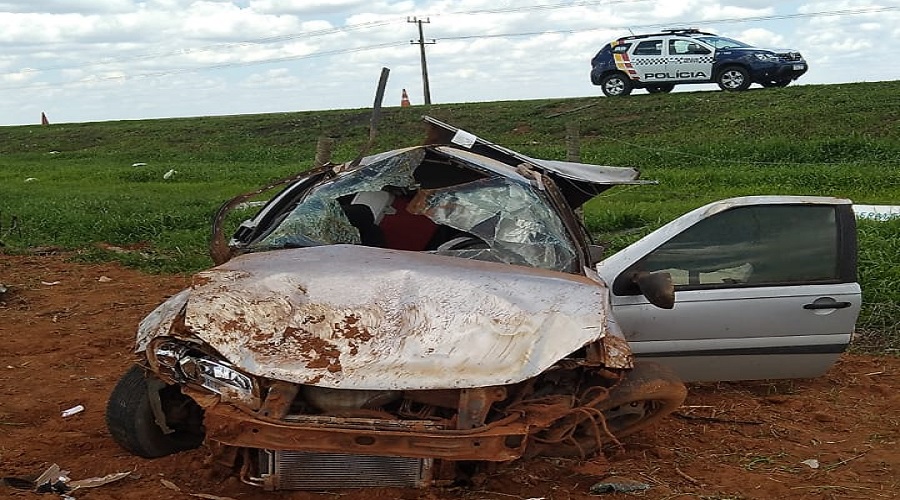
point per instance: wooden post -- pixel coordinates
(573, 153)
(324, 147)
(573, 142)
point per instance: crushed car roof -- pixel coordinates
(579, 182)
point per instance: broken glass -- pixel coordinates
(516, 223)
(319, 216)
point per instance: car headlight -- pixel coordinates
(184, 363)
(763, 56)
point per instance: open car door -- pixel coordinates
(765, 287)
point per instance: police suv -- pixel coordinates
(659, 61)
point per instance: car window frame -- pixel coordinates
(846, 254)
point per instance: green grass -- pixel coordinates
(830, 140)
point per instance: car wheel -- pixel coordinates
(615, 85)
(657, 89)
(131, 422)
(776, 83)
(733, 78)
(646, 395)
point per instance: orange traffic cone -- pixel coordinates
(44, 120)
(404, 99)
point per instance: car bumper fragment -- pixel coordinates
(503, 441)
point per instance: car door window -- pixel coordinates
(680, 46)
(750, 246)
(648, 48)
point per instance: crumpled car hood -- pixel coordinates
(354, 317)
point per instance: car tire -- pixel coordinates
(776, 83)
(660, 89)
(733, 78)
(131, 423)
(616, 85)
(646, 395)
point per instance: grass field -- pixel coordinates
(76, 185)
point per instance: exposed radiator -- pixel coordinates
(298, 470)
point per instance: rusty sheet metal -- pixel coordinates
(356, 317)
(227, 425)
(160, 321)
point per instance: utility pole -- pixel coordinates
(421, 41)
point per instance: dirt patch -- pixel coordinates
(66, 336)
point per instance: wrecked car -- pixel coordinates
(401, 318)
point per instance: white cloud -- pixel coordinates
(118, 59)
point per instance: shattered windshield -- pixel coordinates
(517, 225)
(382, 203)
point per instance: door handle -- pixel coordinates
(827, 305)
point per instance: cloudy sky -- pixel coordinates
(98, 60)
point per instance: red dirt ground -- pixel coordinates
(66, 333)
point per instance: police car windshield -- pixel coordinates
(721, 42)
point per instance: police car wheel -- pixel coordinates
(733, 78)
(656, 89)
(615, 85)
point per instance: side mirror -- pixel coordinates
(658, 288)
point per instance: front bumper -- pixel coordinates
(781, 71)
(497, 442)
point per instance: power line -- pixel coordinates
(326, 53)
(178, 71)
(845, 12)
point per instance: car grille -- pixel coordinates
(790, 56)
(299, 470)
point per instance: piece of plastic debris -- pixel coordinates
(169, 484)
(104, 279)
(3, 289)
(19, 483)
(250, 204)
(210, 497)
(619, 487)
(170, 173)
(73, 411)
(139, 164)
(50, 283)
(93, 482)
(812, 463)
(52, 480)
(53, 152)
(30, 179)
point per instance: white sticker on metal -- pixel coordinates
(464, 139)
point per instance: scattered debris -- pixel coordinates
(619, 486)
(250, 204)
(3, 289)
(75, 410)
(30, 179)
(104, 279)
(53, 480)
(812, 463)
(210, 497)
(50, 283)
(139, 164)
(689, 478)
(169, 484)
(170, 173)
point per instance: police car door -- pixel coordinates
(647, 58)
(689, 59)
